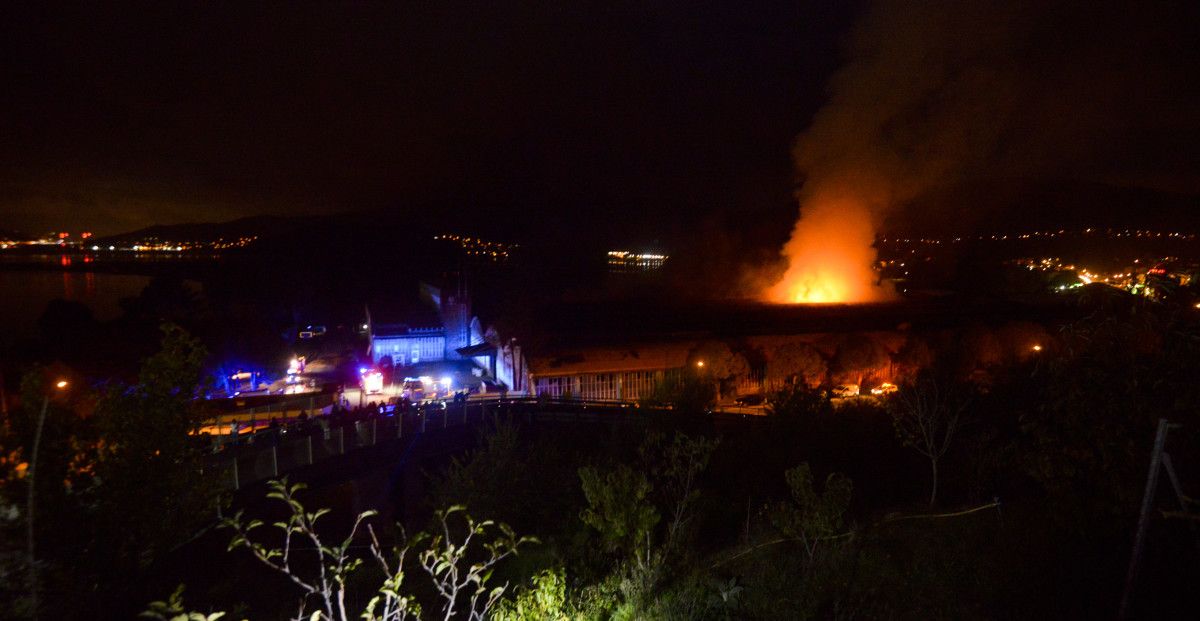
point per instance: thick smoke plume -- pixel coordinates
(944, 93)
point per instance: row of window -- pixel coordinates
(629, 386)
(406, 351)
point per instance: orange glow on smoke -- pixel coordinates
(830, 256)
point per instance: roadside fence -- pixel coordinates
(265, 453)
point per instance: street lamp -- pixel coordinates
(29, 501)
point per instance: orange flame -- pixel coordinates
(830, 256)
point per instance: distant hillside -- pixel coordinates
(326, 247)
(255, 226)
(1021, 205)
(398, 227)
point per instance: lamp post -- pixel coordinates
(30, 503)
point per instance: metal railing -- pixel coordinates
(247, 458)
(312, 404)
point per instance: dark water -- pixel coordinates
(25, 293)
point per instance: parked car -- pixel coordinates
(885, 388)
(413, 389)
(750, 400)
(845, 390)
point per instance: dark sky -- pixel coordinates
(636, 114)
(636, 118)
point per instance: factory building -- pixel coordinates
(433, 330)
(626, 373)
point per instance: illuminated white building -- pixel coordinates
(431, 332)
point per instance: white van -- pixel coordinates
(845, 390)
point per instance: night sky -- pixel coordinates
(641, 118)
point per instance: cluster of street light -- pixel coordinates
(1050, 234)
(476, 247)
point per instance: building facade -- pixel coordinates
(433, 331)
(628, 373)
(406, 346)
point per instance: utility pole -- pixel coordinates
(30, 501)
(1139, 539)
(29, 508)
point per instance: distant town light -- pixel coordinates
(700, 363)
(61, 384)
(1037, 348)
(629, 261)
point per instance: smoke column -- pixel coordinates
(940, 93)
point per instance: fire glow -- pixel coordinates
(830, 256)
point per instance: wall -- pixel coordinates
(624, 386)
(511, 367)
(456, 317)
(430, 348)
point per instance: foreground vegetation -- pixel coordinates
(984, 488)
(831, 512)
(97, 482)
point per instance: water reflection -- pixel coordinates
(25, 293)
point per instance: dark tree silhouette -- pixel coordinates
(927, 415)
(797, 362)
(859, 355)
